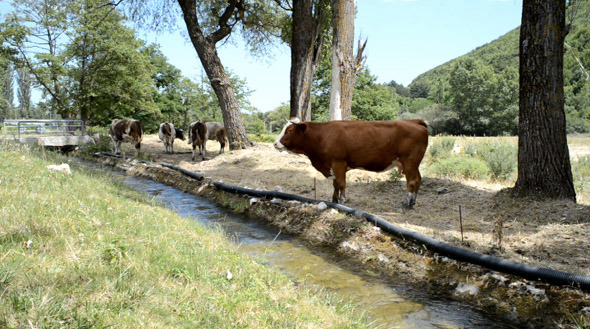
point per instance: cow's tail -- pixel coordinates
(422, 123)
(140, 132)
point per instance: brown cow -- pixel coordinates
(215, 132)
(197, 134)
(126, 131)
(337, 146)
(167, 134)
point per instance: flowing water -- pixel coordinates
(389, 304)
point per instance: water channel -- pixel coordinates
(389, 304)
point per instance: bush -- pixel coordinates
(441, 148)
(103, 144)
(581, 172)
(460, 166)
(500, 158)
(262, 138)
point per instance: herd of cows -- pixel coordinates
(131, 131)
(333, 147)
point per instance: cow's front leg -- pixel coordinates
(117, 147)
(138, 148)
(413, 180)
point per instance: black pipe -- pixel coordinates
(525, 271)
(185, 172)
(529, 272)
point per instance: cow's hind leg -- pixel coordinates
(413, 180)
(339, 172)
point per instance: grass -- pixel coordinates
(85, 251)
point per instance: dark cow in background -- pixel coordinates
(197, 132)
(130, 131)
(167, 134)
(214, 131)
(337, 146)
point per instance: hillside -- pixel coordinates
(500, 53)
(492, 69)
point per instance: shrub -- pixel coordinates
(262, 138)
(441, 148)
(460, 166)
(581, 173)
(103, 144)
(500, 159)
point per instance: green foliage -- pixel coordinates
(370, 101)
(441, 148)
(103, 144)
(581, 173)
(460, 166)
(475, 96)
(481, 87)
(499, 157)
(262, 137)
(255, 127)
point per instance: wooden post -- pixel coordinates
(461, 223)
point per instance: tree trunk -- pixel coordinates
(343, 64)
(305, 47)
(544, 167)
(205, 47)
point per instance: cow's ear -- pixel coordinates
(301, 127)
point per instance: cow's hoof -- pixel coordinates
(408, 204)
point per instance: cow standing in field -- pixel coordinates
(197, 133)
(337, 146)
(167, 134)
(214, 131)
(126, 131)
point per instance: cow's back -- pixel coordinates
(372, 145)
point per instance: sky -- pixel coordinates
(405, 39)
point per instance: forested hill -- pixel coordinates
(500, 53)
(482, 85)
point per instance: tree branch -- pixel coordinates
(224, 27)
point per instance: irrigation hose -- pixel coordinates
(525, 271)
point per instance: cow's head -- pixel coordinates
(180, 134)
(292, 137)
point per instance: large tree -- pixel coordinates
(7, 94)
(344, 65)
(212, 22)
(85, 60)
(25, 82)
(308, 24)
(544, 167)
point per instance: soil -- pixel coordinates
(476, 215)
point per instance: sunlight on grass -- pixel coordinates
(83, 250)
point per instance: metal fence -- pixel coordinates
(16, 128)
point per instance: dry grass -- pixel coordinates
(552, 234)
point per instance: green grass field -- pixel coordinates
(85, 251)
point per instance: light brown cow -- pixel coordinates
(167, 134)
(197, 134)
(126, 131)
(337, 146)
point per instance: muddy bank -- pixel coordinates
(527, 304)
